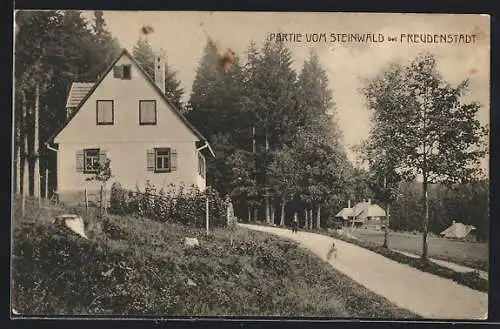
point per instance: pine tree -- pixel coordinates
(315, 96)
(216, 112)
(53, 49)
(271, 98)
(107, 46)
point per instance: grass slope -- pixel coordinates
(134, 266)
(469, 279)
(471, 254)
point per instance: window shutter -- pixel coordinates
(102, 157)
(173, 159)
(118, 71)
(151, 160)
(80, 159)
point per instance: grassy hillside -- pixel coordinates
(473, 254)
(133, 266)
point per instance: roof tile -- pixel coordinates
(77, 92)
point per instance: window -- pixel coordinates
(91, 161)
(162, 160)
(127, 72)
(201, 165)
(147, 112)
(88, 160)
(105, 112)
(123, 72)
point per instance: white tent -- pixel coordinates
(457, 230)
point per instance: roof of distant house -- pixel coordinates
(346, 212)
(457, 230)
(77, 92)
(368, 209)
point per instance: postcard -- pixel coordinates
(264, 164)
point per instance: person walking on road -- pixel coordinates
(295, 223)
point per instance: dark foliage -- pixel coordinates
(178, 204)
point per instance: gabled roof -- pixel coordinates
(457, 230)
(346, 212)
(77, 92)
(124, 52)
(367, 209)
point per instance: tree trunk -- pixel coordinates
(310, 219)
(253, 139)
(282, 220)
(386, 233)
(305, 219)
(18, 143)
(249, 213)
(426, 218)
(105, 199)
(255, 214)
(273, 213)
(318, 217)
(24, 172)
(36, 165)
(268, 216)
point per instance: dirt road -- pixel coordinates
(426, 294)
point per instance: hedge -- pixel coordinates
(177, 203)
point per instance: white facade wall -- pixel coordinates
(126, 141)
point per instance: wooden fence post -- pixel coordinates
(86, 201)
(207, 216)
(101, 206)
(46, 183)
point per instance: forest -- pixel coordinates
(279, 148)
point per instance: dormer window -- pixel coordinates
(127, 72)
(123, 72)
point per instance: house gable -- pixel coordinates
(126, 95)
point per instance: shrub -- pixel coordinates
(117, 200)
(181, 204)
(160, 209)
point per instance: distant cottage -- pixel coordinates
(459, 231)
(363, 214)
(126, 117)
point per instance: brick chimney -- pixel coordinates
(160, 70)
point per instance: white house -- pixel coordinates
(365, 214)
(125, 117)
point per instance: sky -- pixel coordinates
(183, 36)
